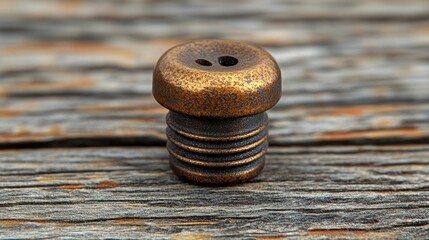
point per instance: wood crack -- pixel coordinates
(86, 142)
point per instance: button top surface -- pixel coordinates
(217, 78)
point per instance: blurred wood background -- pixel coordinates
(82, 140)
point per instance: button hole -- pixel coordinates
(227, 61)
(203, 62)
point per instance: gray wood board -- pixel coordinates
(306, 192)
(342, 82)
(349, 138)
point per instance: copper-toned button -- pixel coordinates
(218, 92)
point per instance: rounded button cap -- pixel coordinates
(217, 79)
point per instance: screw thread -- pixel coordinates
(217, 151)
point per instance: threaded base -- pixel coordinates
(217, 151)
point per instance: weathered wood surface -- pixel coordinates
(83, 69)
(312, 192)
(349, 155)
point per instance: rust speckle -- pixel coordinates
(56, 131)
(24, 134)
(136, 109)
(7, 151)
(336, 232)
(107, 184)
(47, 178)
(383, 123)
(128, 221)
(16, 222)
(22, 131)
(83, 83)
(191, 237)
(11, 222)
(126, 56)
(72, 186)
(4, 113)
(356, 111)
(374, 134)
(423, 30)
(70, 6)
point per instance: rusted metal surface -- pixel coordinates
(217, 91)
(216, 155)
(242, 79)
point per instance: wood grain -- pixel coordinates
(338, 88)
(81, 137)
(305, 192)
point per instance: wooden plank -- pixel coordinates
(349, 139)
(131, 9)
(139, 44)
(45, 121)
(306, 192)
(346, 86)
